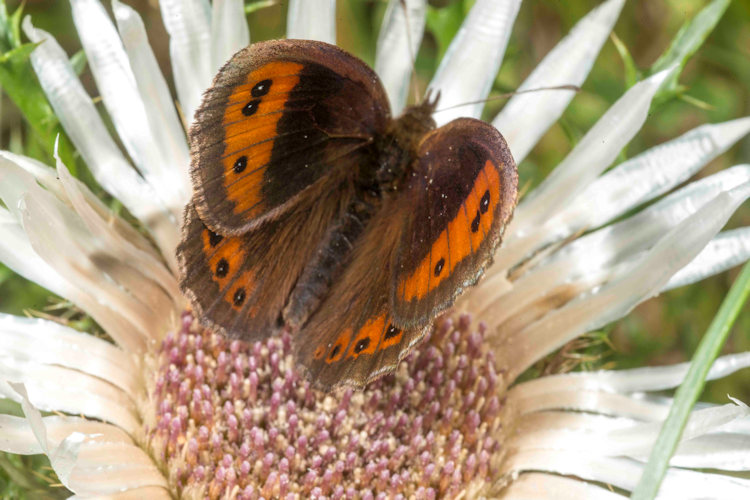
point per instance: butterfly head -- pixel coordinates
(416, 121)
(420, 115)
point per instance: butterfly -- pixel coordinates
(316, 212)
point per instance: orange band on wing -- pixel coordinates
(225, 256)
(253, 111)
(374, 336)
(464, 234)
(339, 347)
(239, 291)
(391, 336)
(368, 337)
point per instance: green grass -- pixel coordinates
(691, 388)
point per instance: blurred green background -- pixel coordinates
(717, 79)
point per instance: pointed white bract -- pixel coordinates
(536, 485)
(600, 250)
(590, 157)
(49, 343)
(646, 176)
(165, 126)
(21, 256)
(613, 425)
(52, 236)
(17, 436)
(594, 153)
(229, 31)
(398, 43)
(627, 285)
(83, 257)
(49, 178)
(100, 462)
(728, 249)
(626, 239)
(533, 393)
(124, 104)
(157, 287)
(312, 20)
(43, 174)
(16, 253)
(611, 437)
(81, 121)
(526, 117)
(188, 23)
(54, 388)
(473, 59)
(623, 472)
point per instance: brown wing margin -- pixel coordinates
(280, 116)
(462, 195)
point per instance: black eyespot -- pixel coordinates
(222, 268)
(251, 107)
(261, 88)
(475, 223)
(240, 164)
(334, 351)
(484, 203)
(391, 332)
(214, 238)
(239, 297)
(439, 266)
(362, 345)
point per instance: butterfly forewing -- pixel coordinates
(279, 117)
(462, 190)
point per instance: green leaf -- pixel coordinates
(15, 24)
(687, 41)
(691, 387)
(6, 33)
(632, 75)
(251, 7)
(444, 24)
(698, 103)
(19, 54)
(18, 80)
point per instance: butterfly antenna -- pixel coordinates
(574, 88)
(430, 100)
(412, 55)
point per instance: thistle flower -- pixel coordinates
(168, 409)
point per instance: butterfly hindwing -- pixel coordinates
(462, 191)
(239, 284)
(351, 338)
(280, 116)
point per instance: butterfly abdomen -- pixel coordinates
(328, 262)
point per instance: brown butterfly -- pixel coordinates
(316, 212)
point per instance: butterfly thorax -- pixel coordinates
(397, 147)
